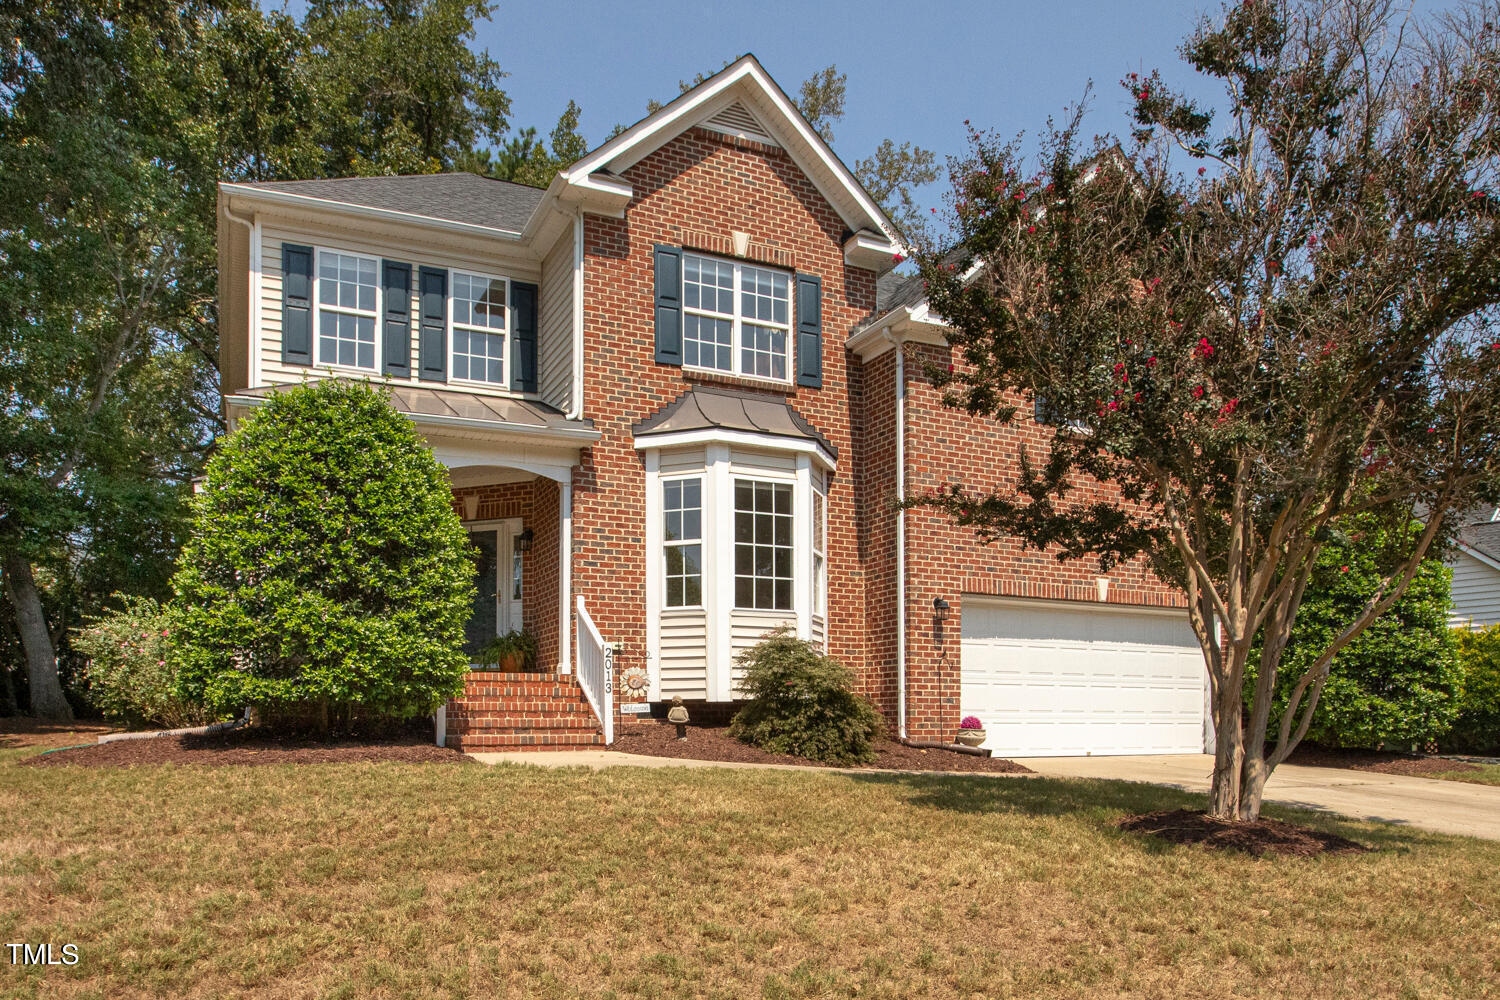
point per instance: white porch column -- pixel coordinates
(718, 571)
(802, 557)
(654, 573)
(565, 581)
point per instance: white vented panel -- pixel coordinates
(738, 121)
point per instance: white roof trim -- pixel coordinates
(363, 211)
(720, 435)
(1475, 554)
(744, 78)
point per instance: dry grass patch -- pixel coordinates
(395, 880)
(1475, 774)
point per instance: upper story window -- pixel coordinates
(762, 545)
(348, 293)
(479, 322)
(736, 317)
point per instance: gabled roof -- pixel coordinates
(702, 408)
(741, 88)
(1481, 532)
(453, 197)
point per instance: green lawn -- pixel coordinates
(385, 880)
(1488, 774)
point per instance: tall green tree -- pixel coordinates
(525, 159)
(117, 121)
(1293, 333)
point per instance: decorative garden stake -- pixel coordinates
(678, 716)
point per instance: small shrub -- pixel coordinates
(131, 671)
(970, 722)
(802, 702)
(510, 644)
(1477, 728)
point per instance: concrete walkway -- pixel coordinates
(1426, 803)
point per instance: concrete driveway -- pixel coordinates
(1442, 806)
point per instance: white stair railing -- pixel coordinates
(596, 672)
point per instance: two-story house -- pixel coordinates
(679, 393)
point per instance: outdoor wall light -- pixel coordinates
(525, 539)
(940, 609)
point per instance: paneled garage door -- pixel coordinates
(1050, 679)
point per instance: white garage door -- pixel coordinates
(1056, 680)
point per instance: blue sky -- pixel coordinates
(915, 70)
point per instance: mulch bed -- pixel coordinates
(23, 731)
(657, 739)
(1260, 837)
(1376, 760)
(249, 747)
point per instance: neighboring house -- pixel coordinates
(679, 392)
(1476, 571)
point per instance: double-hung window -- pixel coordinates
(479, 321)
(682, 509)
(736, 317)
(347, 308)
(762, 545)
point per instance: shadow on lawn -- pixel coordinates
(1103, 803)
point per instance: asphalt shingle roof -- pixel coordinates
(1482, 532)
(453, 197)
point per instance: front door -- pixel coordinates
(498, 583)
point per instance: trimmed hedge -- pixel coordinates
(1477, 728)
(131, 672)
(327, 573)
(802, 702)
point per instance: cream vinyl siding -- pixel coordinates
(747, 629)
(1476, 593)
(820, 632)
(684, 667)
(555, 326)
(273, 372)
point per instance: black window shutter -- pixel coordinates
(810, 330)
(296, 304)
(396, 346)
(432, 342)
(668, 305)
(523, 356)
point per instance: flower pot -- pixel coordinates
(970, 737)
(511, 663)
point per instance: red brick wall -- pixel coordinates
(944, 560)
(873, 398)
(694, 191)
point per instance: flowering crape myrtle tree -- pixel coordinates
(1250, 327)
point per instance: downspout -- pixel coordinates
(900, 533)
(252, 294)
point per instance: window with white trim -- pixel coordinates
(348, 300)
(479, 320)
(736, 317)
(820, 551)
(762, 545)
(682, 541)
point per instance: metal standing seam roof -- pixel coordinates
(702, 408)
(452, 197)
(420, 401)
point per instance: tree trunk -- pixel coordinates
(1229, 751)
(47, 700)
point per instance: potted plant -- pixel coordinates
(510, 653)
(970, 731)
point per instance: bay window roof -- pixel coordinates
(713, 409)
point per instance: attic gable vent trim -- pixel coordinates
(737, 121)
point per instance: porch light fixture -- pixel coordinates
(940, 609)
(524, 540)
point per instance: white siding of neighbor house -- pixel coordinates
(1476, 593)
(684, 670)
(271, 369)
(555, 328)
(820, 631)
(748, 628)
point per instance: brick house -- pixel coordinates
(679, 392)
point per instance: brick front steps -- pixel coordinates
(502, 711)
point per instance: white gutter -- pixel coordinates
(575, 405)
(900, 535)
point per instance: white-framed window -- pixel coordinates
(478, 320)
(820, 549)
(763, 545)
(682, 542)
(348, 298)
(736, 318)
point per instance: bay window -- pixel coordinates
(682, 541)
(762, 545)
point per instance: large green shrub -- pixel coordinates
(327, 571)
(1477, 728)
(131, 669)
(802, 702)
(1396, 685)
